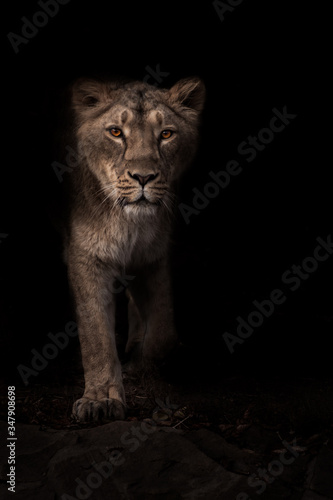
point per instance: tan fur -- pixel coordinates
(111, 233)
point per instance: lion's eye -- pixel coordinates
(166, 134)
(116, 132)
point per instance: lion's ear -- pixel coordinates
(88, 93)
(189, 92)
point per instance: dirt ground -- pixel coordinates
(254, 414)
(229, 406)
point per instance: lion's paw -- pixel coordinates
(87, 410)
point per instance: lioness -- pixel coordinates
(133, 142)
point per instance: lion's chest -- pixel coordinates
(133, 245)
(123, 245)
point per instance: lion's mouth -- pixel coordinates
(142, 201)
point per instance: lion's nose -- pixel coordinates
(143, 179)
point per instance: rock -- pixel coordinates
(217, 448)
(117, 460)
(311, 495)
(139, 461)
(170, 466)
(320, 473)
(258, 439)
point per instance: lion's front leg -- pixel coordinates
(152, 334)
(104, 395)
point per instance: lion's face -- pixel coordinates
(137, 139)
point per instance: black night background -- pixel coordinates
(257, 251)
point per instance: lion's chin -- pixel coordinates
(141, 208)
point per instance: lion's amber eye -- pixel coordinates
(166, 134)
(116, 132)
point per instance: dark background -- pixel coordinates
(263, 55)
